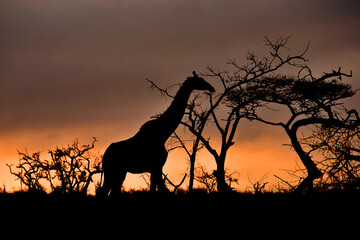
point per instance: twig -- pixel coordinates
(172, 184)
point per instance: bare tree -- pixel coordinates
(258, 186)
(227, 132)
(69, 170)
(208, 179)
(31, 171)
(191, 151)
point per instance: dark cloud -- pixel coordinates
(74, 62)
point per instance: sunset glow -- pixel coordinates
(77, 69)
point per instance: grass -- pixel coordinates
(199, 207)
(195, 196)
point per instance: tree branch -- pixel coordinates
(202, 139)
(163, 92)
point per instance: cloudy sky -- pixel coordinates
(76, 69)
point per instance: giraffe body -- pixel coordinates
(145, 151)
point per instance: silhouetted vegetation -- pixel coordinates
(208, 180)
(69, 170)
(310, 101)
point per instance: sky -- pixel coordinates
(77, 69)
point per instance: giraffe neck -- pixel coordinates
(171, 118)
(160, 129)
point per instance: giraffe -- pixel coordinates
(145, 151)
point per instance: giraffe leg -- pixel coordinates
(162, 186)
(155, 181)
(116, 184)
(102, 192)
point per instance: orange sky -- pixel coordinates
(263, 155)
(76, 69)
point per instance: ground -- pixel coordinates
(203, 213)
(184, 198)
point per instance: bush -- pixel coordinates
(69, 170)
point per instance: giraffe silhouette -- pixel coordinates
(145, 151)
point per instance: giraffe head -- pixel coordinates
(198, 83)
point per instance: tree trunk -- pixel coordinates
(313, 171)
(192, 162)
(192, 172)
(220, 175)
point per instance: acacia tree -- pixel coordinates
(310, 101)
